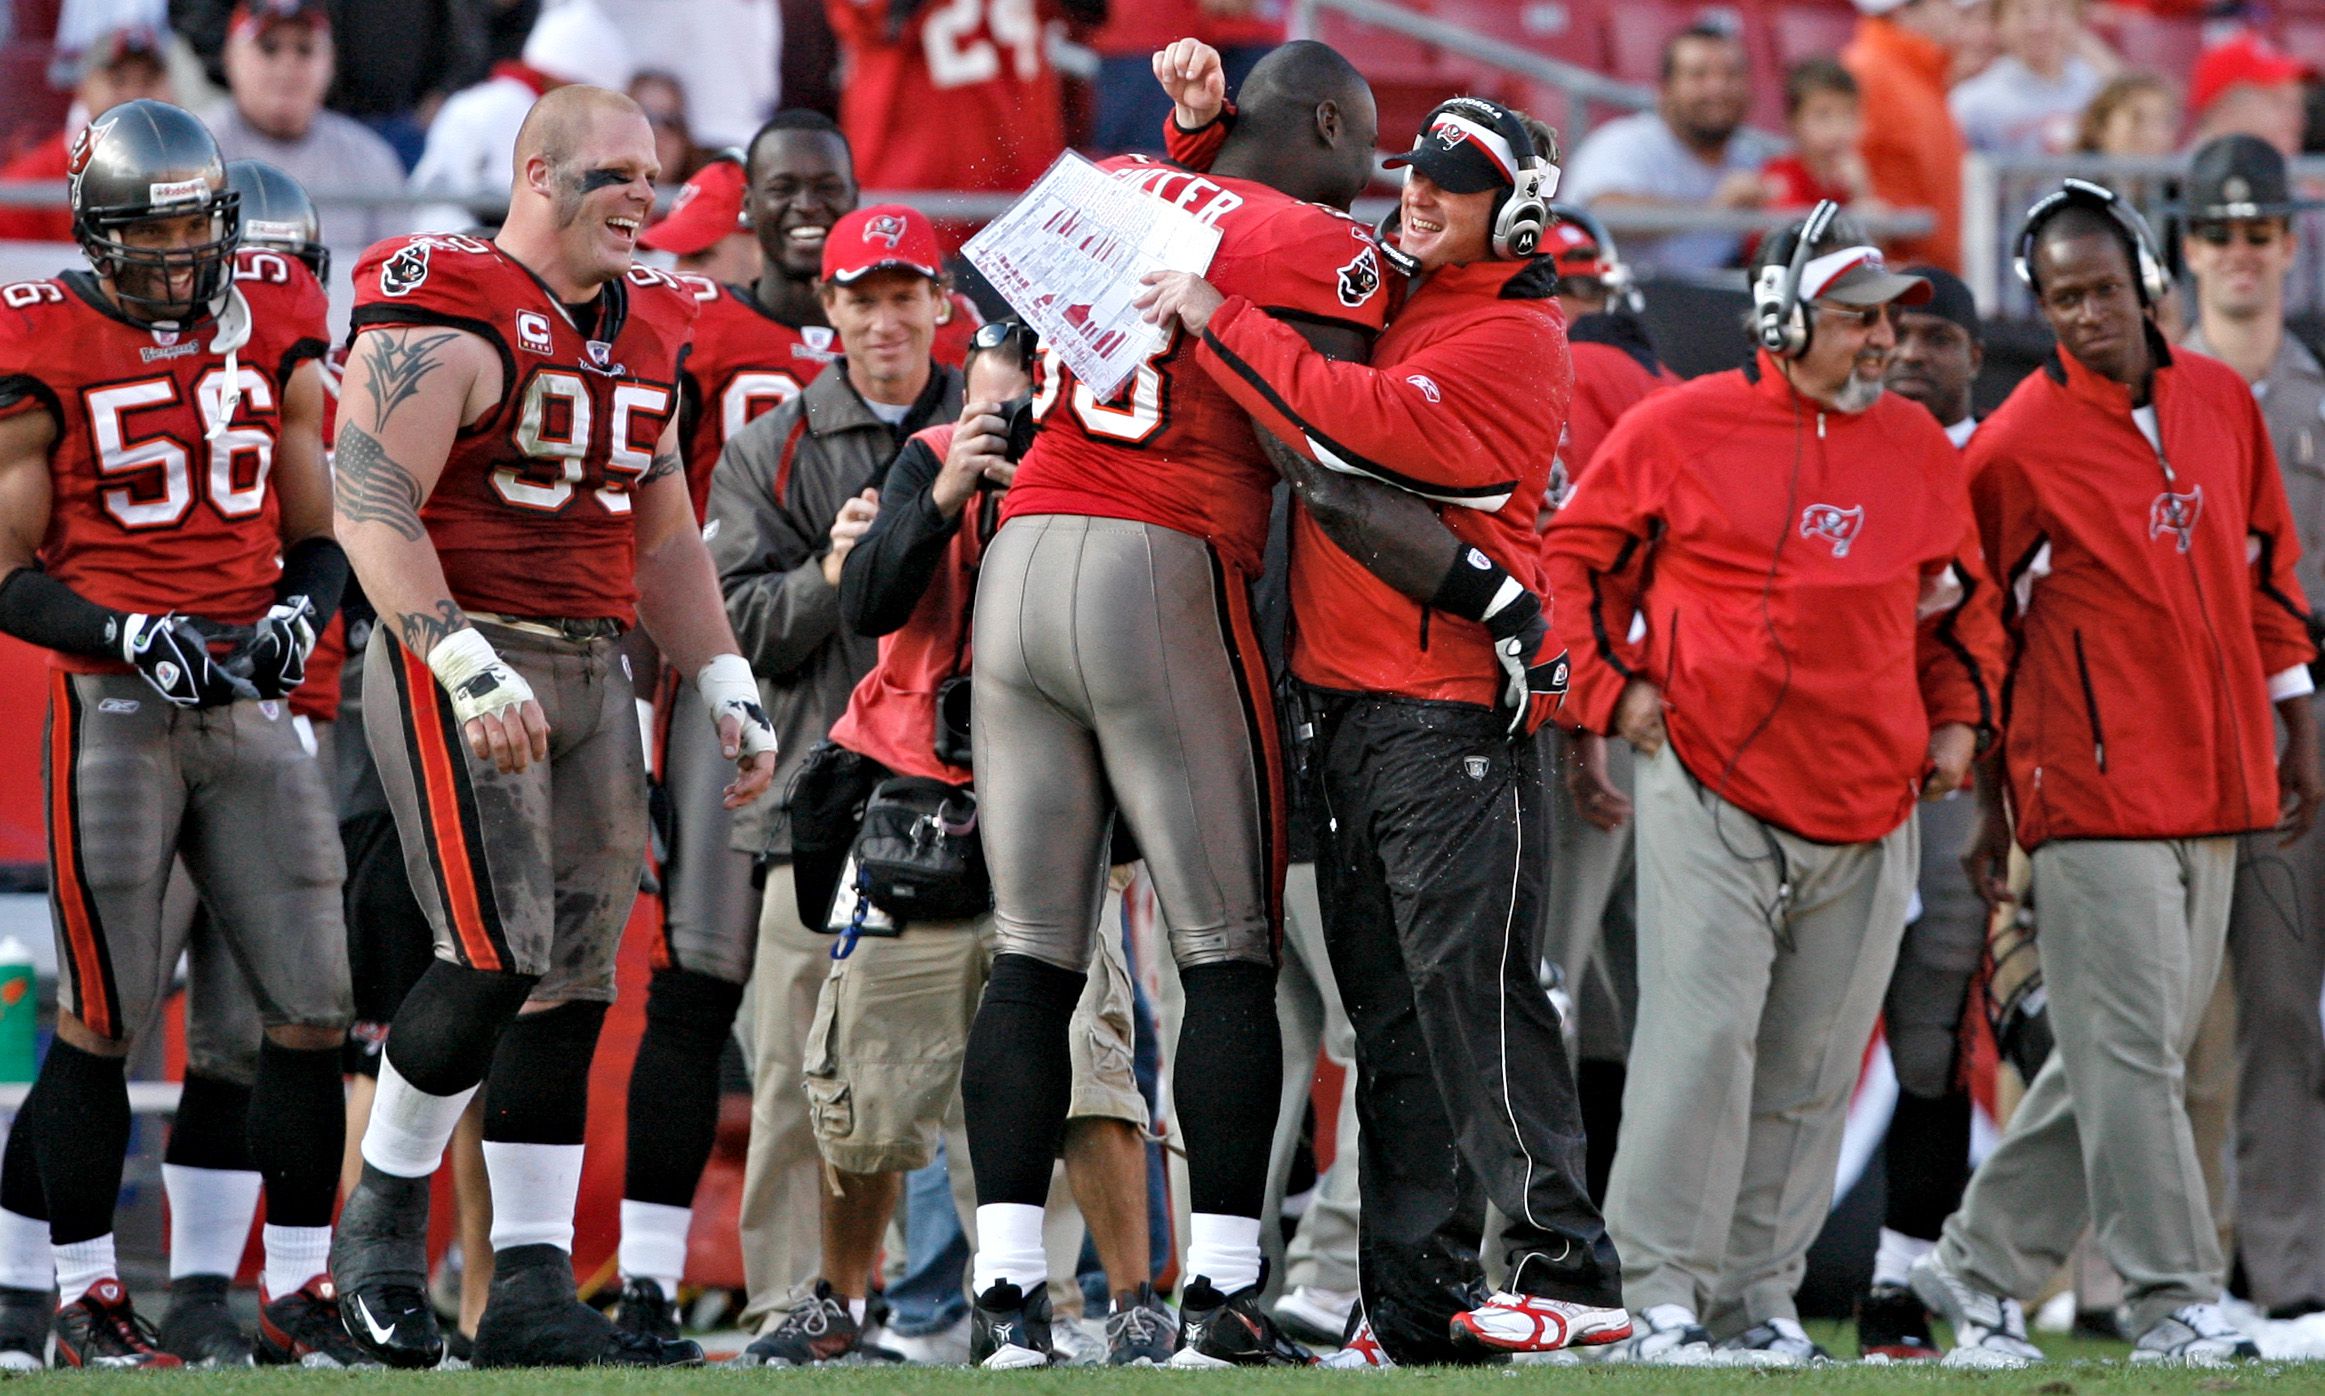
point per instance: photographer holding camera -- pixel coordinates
(913, 909)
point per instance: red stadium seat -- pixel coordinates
(2154, 43)
(1812, 30)
(1572, 31)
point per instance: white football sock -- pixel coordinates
(1893, 1259)
(82, 1264)
(210, 1213)
(654, 1243)
(295, 1255)
(25, 1259)
(857, 1308)
(1223, 1249)
(534, 1189)
(1009, 1249)
(409, 1127)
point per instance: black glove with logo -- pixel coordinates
(173, 653)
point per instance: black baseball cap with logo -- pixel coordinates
(2238, 176)
(1469, 145)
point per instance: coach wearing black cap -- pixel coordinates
(1431, 871)
(2241, 246)
(1939, 351)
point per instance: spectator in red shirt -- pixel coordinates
(2247, 86)
(1826, 121)
(123, 65)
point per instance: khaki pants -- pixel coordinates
(2276, 949)
(780, 1222)
(1754, 1011)
(2132, 936)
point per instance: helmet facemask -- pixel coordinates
(141, 277)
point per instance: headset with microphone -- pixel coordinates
(2155, 279)
(1521, 210)
(1780, 317)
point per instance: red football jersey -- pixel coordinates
(150, 511)
(1174, 449)
(317, 696)
(745, 362)
(975, 70)
(531, 516)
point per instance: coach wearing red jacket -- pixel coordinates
(2129, 498)
(1431, 873)
(1818, 637)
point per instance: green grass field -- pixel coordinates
(2078, 1368)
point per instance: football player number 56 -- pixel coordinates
(150, 478)
(959, 54)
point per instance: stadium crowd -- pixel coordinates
(1024, 788)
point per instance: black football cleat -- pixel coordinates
(101, 1330)
(1009, 1328)
(646, 1311)
(1892, 1322)
(199, 1329)
(303, 1329)
(379, 1264)
(1223, 1330)
(25, 1316)
(533, 1319)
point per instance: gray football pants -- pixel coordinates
(1117, 669)
(2132, 936)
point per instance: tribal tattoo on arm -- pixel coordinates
(421, 632)
(397, 365)
(370, 487)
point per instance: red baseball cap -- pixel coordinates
(708, 207)
(2245, 58)
(254, 17)
(1574, 250)
(881, 238)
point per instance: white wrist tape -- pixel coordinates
(474, 674)
(726, 688)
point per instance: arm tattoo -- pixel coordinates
(370, 487)
(420, 632)
(666, 463)
(397, 366)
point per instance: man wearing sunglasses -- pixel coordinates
(2241, 246)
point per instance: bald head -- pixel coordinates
(561, 123)
(1307, 125)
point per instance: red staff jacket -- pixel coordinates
(1809, 584)
(1461, 404)
(2151, 601)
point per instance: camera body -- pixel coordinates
(1021, 428)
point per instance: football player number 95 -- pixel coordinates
(959, 55)
(555, 427)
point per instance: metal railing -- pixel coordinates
(1998, 190)
(1580, 86)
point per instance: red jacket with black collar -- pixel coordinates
(2150, 596)
(1808, 589)
(1461, 404)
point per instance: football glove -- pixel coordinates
(1534, 671)
(479, 681)
(727, 689)
(173, 654)
(277, 650)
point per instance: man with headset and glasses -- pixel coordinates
(2130, 500)
(1770, 588)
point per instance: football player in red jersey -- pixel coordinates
(1117, 671)
(755, 347)
(508, 480)
(168, 538)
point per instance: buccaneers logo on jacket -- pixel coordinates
(1834, 524)
(2176, 514)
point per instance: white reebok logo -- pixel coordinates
(378, 1334)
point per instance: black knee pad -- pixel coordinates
(539, 1089)
(298, 1112)
(445, 1031)
(212, 1127)
(1022, 979)
(693, 1013)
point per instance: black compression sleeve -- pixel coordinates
(315, 568)
(37, 608)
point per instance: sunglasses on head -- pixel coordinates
(993, 334)
(2257, 233)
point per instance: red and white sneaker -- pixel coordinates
(1530, 1323)
(1362, 1351)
